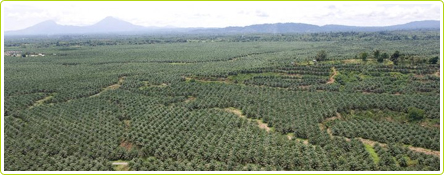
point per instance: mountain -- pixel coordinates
(45, 27)
(107, 25)
(308, 28)
(428, 24)
(264, 28)
(111, 25)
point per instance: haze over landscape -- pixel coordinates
(111, 25)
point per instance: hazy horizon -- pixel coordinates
(21, 15)
(206, 27)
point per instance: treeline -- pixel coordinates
(101, 40)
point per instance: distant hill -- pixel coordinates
(308, 28)
(112, 25)
(429, 24)
(266, 28)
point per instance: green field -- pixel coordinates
(223, 102)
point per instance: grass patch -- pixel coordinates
(431, 123)
(360, 61)
(120, 165)
(304, 63)
(352, 61)
(42, 101)
(372, 152)
(330, 62)
(388, 62)
(290, 136)
(411, 162)
(127, 123)
(145, 85)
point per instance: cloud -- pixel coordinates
(261, 14)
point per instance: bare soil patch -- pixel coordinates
(41, 101)
(429, 125)
(338, 116)
(305, 87)
(121, 166)
(425, 151)
(218, 80)
(189, 99)
(263, 125)
(235, 111)
(329, 132)
(290, 136)
(322, 125)
(418, 76)
(372, 143)
(126, 144)
(332, 77)
(120, 163)
(121, 79)
(304, 141)
(238, 112)
(351, 61)
(111, 87)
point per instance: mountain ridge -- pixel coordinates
(111, 25)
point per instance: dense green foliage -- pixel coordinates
(434, 60)
(415, 113)
(166, 103)
(388, 132)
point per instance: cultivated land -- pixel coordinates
(205, 103)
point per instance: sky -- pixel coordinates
(20, 15)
